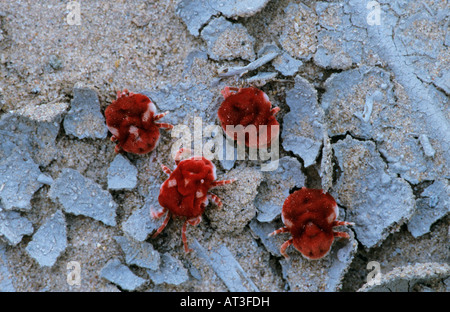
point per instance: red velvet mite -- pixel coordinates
(131, 119)
(185, 193)
(249, 106)
(310, 215)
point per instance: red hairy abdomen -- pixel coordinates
(193, 178)
(130, 119)
(309, 205)
(249, 106)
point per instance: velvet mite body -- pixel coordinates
(131, 119)
(186, 191)
(249, 107)
(310, 216)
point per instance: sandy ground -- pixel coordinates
(143, 45)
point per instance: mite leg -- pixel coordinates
(118, 149)
(341, 234)
(223, 182)
(283, 248)
(166, 169)
(183, 237)
(125, 92)
(339, 223)
(159, 116)
(180, 154)
(226, 92)
(275, 111)
(157, 214)
(280, 230)
(164, 125)
(161, 228)
(195, 221)
(215, 199)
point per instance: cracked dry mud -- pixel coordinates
(364, 114)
